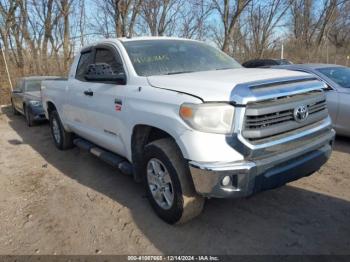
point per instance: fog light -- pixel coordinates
(226, 181)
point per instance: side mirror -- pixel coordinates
(103, 73)
(328, 87)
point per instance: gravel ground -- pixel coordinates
(69, 202)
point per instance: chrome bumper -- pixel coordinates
(262, 173)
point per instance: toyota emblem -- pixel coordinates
(301, 113)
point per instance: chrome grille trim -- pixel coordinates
(273, 117)
(274, 88)
(246, 93)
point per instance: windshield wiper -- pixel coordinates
(225, 68)
(181, 72)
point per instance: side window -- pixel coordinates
(84, 62)
(108, 57)
(19, 86)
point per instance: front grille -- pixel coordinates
(266, 120)
(273, 117)
(262, 121)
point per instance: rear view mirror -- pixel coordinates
(103, 73)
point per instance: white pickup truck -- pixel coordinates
(189, 121)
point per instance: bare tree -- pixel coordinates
(230, 12)
(31, 37)
(193, 17)
(339, 31)
(262, 20)
(8, 27)
(65, 9)
(309, 27)
(160, 15)
(48, 15)
(118, 16)
(82, 21)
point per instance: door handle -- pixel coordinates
(88, 92)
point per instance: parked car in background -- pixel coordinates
(265, 62)
(26, 98)
(337, 79)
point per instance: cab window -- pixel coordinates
(84, 62)
(107, 56)
(19, 86)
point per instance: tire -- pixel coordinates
(29, 117)
(186, 203)
(14, 110)
(62, 139)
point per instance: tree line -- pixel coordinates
(40, 37)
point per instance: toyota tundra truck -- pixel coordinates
(188, 121)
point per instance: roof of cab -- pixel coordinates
(142, 38)
(132, 39)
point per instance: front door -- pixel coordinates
(332, 104)
(97, 107)
(106, 110)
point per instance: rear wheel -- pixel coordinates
(168, 183)
(63, 139)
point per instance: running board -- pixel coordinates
(113, 159)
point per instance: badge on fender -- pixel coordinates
(118, 104)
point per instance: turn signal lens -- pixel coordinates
(186, 112)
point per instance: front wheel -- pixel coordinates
(168, 183)
(63, 139)
(29, 117)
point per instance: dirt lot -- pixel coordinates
(54, 202)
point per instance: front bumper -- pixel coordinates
(258, 174)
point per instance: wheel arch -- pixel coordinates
(141, 136)
(50, 106)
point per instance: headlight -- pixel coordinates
(208, 117)
(35, 103)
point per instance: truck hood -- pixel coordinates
(217, 85)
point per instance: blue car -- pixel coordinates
(26, 98)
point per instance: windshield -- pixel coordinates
(32, 85)
(340, 75)
(163, 57)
